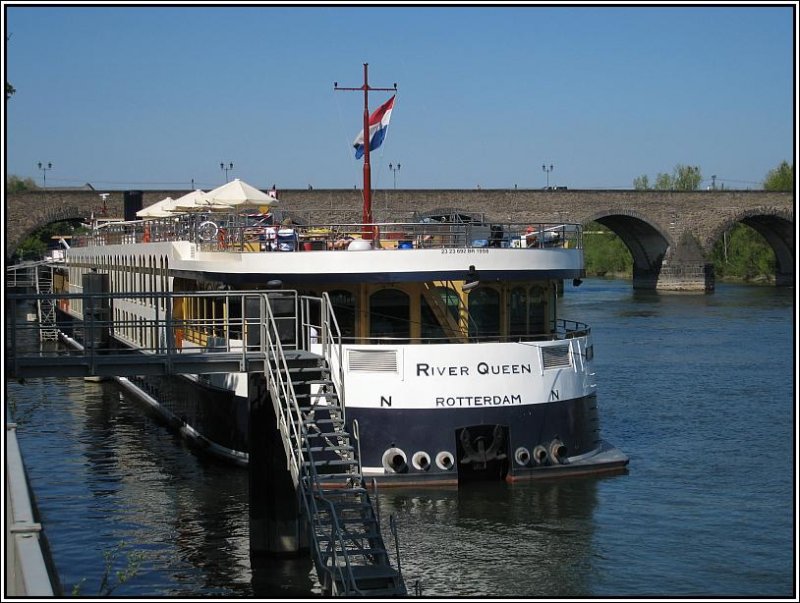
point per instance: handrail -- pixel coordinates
(213, 231)
(393, 530)
(300, 456)
(290, 421)
(284, 390)
(334, 351)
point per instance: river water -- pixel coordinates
(698, 390)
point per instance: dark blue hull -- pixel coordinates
(533, 441)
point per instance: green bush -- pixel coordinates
(743, 254)
(604, 252)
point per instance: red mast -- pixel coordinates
(367, 211)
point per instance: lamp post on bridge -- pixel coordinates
(226, 168)
(547, 171)
(44, 168)
(394, 169)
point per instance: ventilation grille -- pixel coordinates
(556, 356)
(372, 361)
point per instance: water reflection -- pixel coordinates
(495, 539)
(684, 392)
(100, 464)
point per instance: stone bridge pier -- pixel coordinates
(670, 234)
(672, 250)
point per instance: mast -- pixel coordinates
(366, 215)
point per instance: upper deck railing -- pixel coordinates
(248, 234)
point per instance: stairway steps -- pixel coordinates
(371, 535)
(326, 395)
(331, 483)
(375, 580)
(343, 477)
(356, 553)
(308, 422)
(325, 519)
(317, 381)
(332, 463)
(342, 448)
(329, 492)
(299, 370)
(363, 515)
(326, 434)
(349, 499)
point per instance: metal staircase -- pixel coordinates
(345, 540)
(46, 307)
(38, 276)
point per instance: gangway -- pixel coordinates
(349, 552)
(267, 332)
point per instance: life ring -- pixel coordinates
(207, 231)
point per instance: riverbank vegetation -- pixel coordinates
(604, 253)
(743, 254)
(740, 255)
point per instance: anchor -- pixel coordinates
(475, 451)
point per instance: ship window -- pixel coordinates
(537, 302)
(344, 308)
(389, 314)
(484, 313)
(518, 312)
(434, 328)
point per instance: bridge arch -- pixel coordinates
(647, 242)
(776, 227)
(60, 214)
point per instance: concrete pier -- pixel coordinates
(277, 527)
(26, 570)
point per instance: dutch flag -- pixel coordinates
(378, 124)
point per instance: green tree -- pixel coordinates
(15, 184)
(604, 252)
(35, 246)
(683, 178)
(663, 182)
(780, 179)
(743, 254)
(686, 177)
(10, 90)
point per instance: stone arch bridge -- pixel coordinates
(670, 234)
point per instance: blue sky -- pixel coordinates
(157, 97)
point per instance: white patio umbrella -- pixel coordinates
(238, 193)
(190, 201)
(159, 209)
